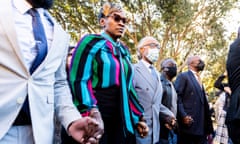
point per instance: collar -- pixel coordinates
(164, 78)
(195, 73)
(106, 36)
(115, 44)
(146, 63)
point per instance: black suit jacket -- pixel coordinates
(233, 69)
(192, 101)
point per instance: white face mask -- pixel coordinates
(153, 55)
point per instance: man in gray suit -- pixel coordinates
(148, 86)
(30, 96)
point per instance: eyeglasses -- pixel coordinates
(118, 18)
(152, 45)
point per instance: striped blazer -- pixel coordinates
(99, 62)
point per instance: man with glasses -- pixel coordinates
(148, 86)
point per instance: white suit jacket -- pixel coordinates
(47, 88)
(150, 97)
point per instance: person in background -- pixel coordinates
(169, 99)
(148, 86)
(69, 58)
(233, 71)
(101, 79)
(194, 117)
(34, 87)
(221, 106)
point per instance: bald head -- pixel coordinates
(195, 63)
(191, 59)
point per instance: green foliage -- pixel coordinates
(183, 28)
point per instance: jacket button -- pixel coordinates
(20, 100)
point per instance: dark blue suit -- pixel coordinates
(233, 112)
(192, 101)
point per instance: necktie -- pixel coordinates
(199, 79)
(41, 46)
(153, 72)
(40, 38)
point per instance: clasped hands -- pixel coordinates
(89, 129)
(170, 122)
(188, 120)
(142, 127)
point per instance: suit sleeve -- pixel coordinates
(165, 113)
(64, 107)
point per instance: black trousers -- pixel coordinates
(234, 131)
(184, 138)
(109, 107)
(113, 133)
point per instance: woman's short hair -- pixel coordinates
(108, 8)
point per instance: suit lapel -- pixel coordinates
(198, 88)
(60, 39)
(7, 22)
(145, 74)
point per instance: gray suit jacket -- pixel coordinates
(47, 87)
(150, 97)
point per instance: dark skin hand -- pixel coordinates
(94, 113)
(171, 123)
(188, 120)
(83, 130)
(142, 128)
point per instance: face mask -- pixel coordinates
(172, 71)
(153, 55)
(200, 66)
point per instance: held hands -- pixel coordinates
(188, 120)
(170, 123)
(95, 114)
(227, 89)
(142, 128)
(83, 130)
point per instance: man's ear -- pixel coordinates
(141, 50)
(102, 22)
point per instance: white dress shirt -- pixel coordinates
(147, 65)
(23, 26)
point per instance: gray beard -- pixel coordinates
(46, 4)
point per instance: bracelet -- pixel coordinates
(95, 111)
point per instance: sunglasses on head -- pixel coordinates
(118, 18)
